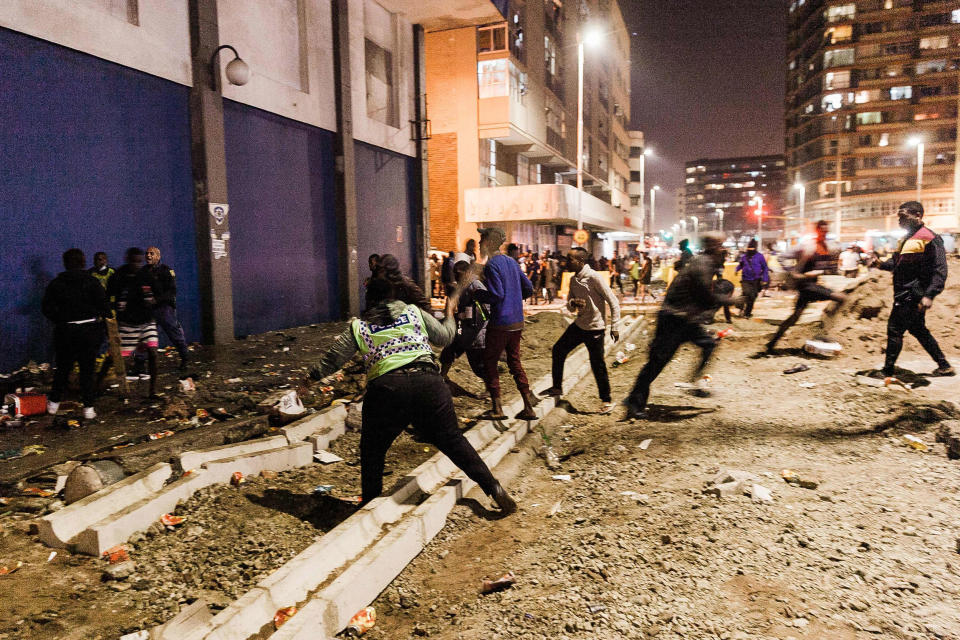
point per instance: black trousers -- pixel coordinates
(76, 343)
(415, 396)
(572, 338)
(456, 349)
(750, 289)
(907, 317)
(672, 332)
(806, 295)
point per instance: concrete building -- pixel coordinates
(502, 104)
(867, 81)
(722, 193)
(119, 129)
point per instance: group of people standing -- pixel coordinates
(141, 295)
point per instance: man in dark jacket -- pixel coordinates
(131, 290)
(507, 288)
(685, 255)
(165, 311)
(919, 268)
(690, 299)
(753, 275)
(76, 303)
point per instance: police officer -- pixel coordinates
(404, 386)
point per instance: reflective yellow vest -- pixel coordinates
(391, 346)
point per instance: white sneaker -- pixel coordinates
(143, 376)
(89, 413)
(52, 407)
(132, 377)
(607, 407)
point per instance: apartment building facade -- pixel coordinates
(502, 104)
(868, 83)
(725, 194)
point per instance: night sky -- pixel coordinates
(707, 83)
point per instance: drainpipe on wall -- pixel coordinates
(345, 169)
(421, 134)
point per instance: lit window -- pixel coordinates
(691, 180)
(836, 80)
(838, 57)
(492, 78)
(832, 102)
(840, 33)
(901, 93)
(935, 42)
(870, 117)
(884, 140)
(691, 169)
(931, 66)
(491, 39)
(955, 16)
(841, 12)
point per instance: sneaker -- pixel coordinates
(89, 413)
(552, 392)
(887, 372)
(143, 376)
(132, 377)
(635, 410)
(607, 408)
(944, 371)
(52, 407)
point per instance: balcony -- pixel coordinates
(442, 14)
(544, 204)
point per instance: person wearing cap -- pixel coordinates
(690, 301)
(814, 260)
(919, 267)
(590, 295)
(754, 275)
(76, 303)
(507, 288)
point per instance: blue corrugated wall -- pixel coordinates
(92, 155)
(283, 229)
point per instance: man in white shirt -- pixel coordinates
(850, 261)
(589, 296)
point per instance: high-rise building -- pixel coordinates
(502, 103)
(871, 112)
(724, 193)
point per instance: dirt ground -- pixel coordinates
(245, 532)
(635, 549)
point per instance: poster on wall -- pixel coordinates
(218, 233)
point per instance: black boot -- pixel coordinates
(504, 501)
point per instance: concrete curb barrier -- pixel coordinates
(329, 421)
(371, 558)
(279, 459)
(60, 528)
(195, 459)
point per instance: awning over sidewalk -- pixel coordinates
(544, 204)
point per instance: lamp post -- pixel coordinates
(802, 190)
(653, 203)
(720, 217)
(590, 36)
(643, 189)
(696, 225)
(918, 142)
(759, 201)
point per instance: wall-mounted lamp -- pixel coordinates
(237, 71)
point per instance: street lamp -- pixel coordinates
(801, 189)
(918, 142)
(653, 203)
(589, 36)
(759, 202)
(696, 225)
(683, 227)
(720, 217)
(643, 187)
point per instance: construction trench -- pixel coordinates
(245, 552)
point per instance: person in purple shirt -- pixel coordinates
(754, 274)
(507, 287)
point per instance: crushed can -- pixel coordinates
(282, 615)
(505, 581)
(236, 478)
(362, 622)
